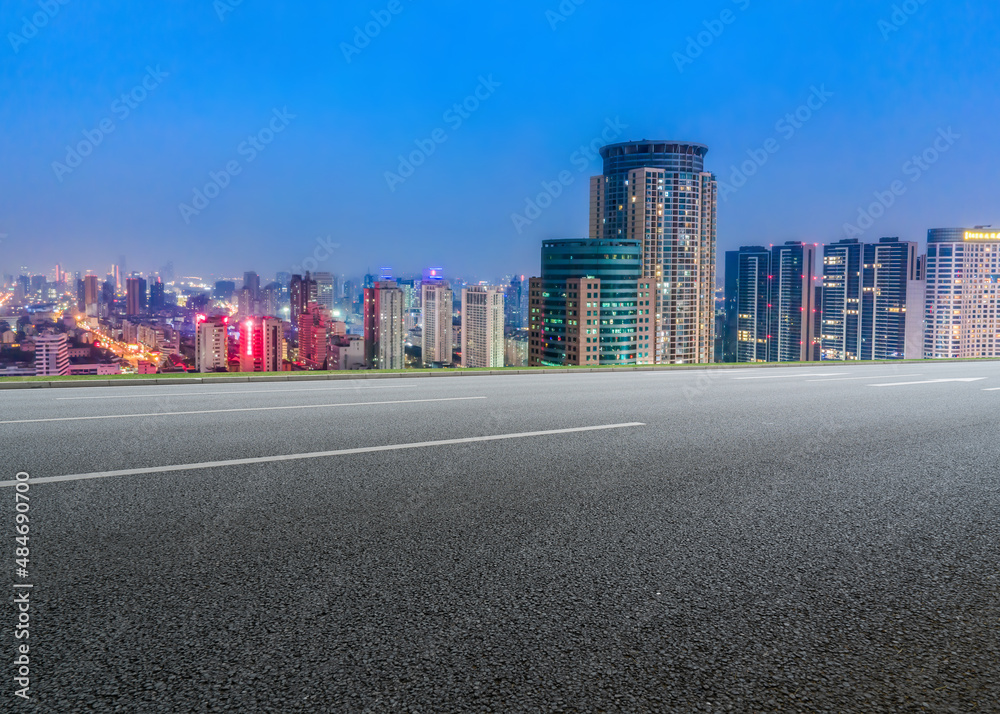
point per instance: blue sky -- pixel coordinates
(894, 74)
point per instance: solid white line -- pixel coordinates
(315, 455)
(995, 389)
(230, 411)
(870, 376)
(254, 391)
(929, 381)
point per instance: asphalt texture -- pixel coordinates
(791, 540)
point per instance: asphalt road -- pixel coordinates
(791, 540)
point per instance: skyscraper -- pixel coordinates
(591, 305)
(211, 348)
(658, 193)
(302, 291)
(91, 295)
(261, 345)
(866, 302)
(135, 296)
(313, 326)
(512, 303)
(251, 281)
(841, 332)
(384, 326)
(483, 327)
(963, 293)
(326, 287)
(285, 280)
(747, 315)
(157, 297)
(247, 304)
(791, 302)
(889, 274)
(51, 355)
(270, 299)
(436, 338)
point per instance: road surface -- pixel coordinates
(802, 539)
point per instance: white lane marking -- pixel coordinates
(790, 376)
(995, 389)
(255, 391)
(929, 381)
(317, 454)
(230, 411)
(870, 376)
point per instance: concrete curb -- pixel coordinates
(438, 373)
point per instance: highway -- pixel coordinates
(803, 539)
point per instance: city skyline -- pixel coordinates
(836, 137)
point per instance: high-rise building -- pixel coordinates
(385, 329)
(270, 298)
(157, 297)
(135, 296)
(436, 338)
(482, 327)
(91, 295)
(284, 280)
(747, 315)
(841, 332)
(890, 273)
(658, 193)
(108, 301)
(51, 356)
(963, 293)
(261, 345)
(866, 299)
(326, 289)
(247, 303)
(211, 344)
(251, 281)
(313, 327)
(512, 303)
(302, 291)
(592, 306)
(792, 292)
(411, 303)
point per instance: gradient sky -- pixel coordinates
(894, 87)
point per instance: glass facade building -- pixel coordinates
(747, 313)
(589, 306)
(791, 302)
(659, 194)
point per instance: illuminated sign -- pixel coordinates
(977, 235)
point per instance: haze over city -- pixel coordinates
(219, 71)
